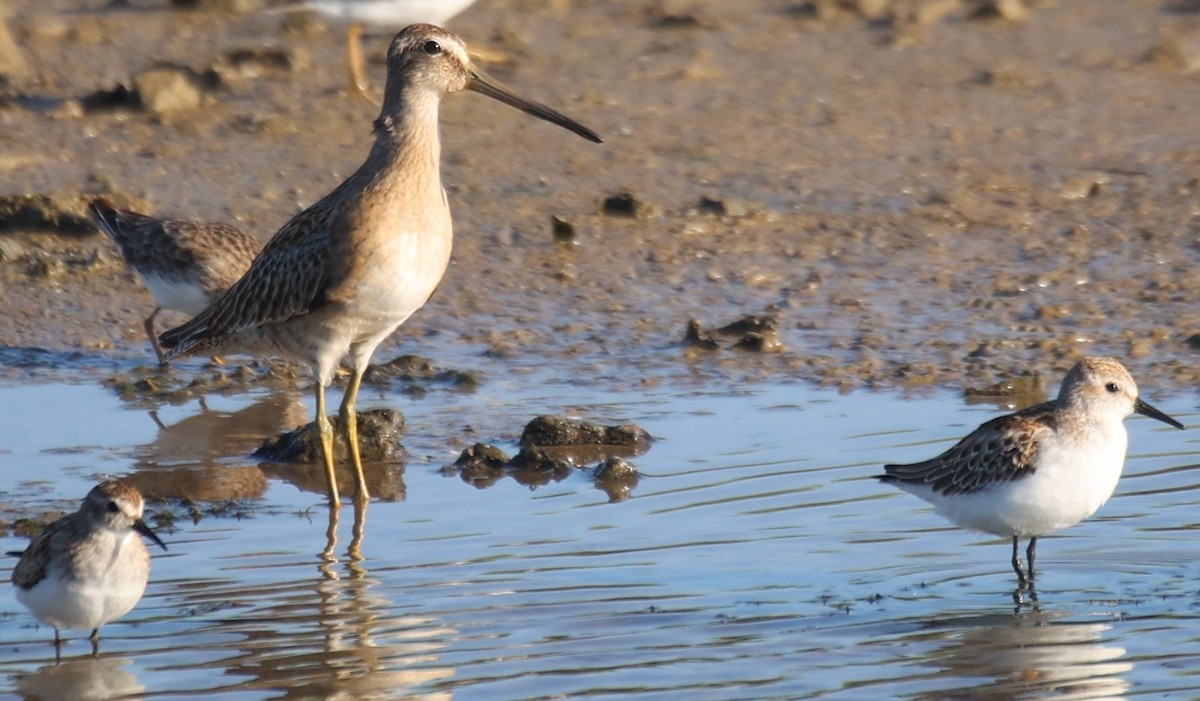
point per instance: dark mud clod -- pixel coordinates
(416, 374)
(378, 438)
(60, 212)
(545, 431)
(616, 478)
(696, 338)
(623, 204)
(758, 333)
(562, 230)
(552, 447)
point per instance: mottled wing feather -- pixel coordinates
(32, 567)
(177, 248)
(1001, 450)
(286, 280)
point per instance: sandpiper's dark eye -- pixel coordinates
(113, 508)
(432, 48)
(1112, 387)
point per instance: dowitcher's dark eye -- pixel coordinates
(1112, 387)
(432, 48)
(113, 508)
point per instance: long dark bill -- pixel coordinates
(141, 527)
(485, 86)
(1146, 410)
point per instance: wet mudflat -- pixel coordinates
(754, 558)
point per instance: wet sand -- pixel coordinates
(919, 197)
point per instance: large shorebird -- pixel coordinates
(344, 273)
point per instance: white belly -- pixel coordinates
(1070, 484)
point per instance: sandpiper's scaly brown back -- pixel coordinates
(344, 273)
(185, 264)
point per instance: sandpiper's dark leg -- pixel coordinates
(149, 326)
(1030, 553)
(95, 638)
(1016, 560)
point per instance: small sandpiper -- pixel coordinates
(342, 275)
(1038, 470)
(90, 567)
(185, 264)
(388, 13)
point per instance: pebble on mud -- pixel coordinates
(416, 374)
(378, 438)
(564, 445)
(735, 209)
(616, 478)
(168, 88)
(696, 338)
(257, 61)
(1009, 10)
(1031, 385)
(757, 333)
(562, 230)
(624, 204)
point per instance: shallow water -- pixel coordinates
(755, 558)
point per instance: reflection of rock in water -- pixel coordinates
(1031, 656)
(81, 679)
(189, 458)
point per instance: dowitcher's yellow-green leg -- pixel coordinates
(348, 418)
(325, 429)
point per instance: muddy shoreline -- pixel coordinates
(918, 195)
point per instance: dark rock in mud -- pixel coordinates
(696, 338)
(1009, 10)
(624, 204)
(155, 383)
(482, 456)
(1030, 385)
(616, 478)
(721, 207)
(751, 323)
(60, 212)
(547, 431)
(415, 375)
(760, 343)
(116, 98)
(378, 439)
(257, 61)
(562, 230)
(758, 333)
(482, 464)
